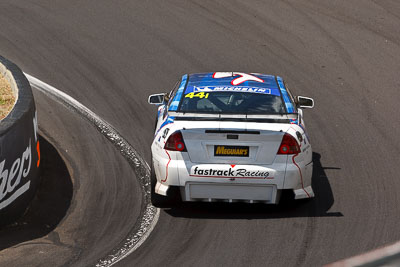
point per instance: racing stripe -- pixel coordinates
(285, 95)
(305, 132)
(159, 111)
(166, 168)
(301, 175)
(168, 120)
(177, 98)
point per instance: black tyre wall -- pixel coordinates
(19, 150)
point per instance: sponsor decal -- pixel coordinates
(299, 136)
(243, 77)
(199, 95)
(160, 110)
(231, 172)
(258, 90)
(165, 133)
(166, 121)
(305, 133)
(307, 147)
(236, 151)
(11, 178)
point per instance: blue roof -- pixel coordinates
(232, 79)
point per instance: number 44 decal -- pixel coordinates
(199, 95)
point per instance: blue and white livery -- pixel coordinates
(230, 136)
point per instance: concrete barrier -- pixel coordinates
(19, 148)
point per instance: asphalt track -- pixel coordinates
(110, 55)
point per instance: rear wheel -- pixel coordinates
(288, 199)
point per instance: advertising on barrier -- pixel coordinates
(15, 168)
(19, 148)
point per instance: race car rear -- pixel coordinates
(227, 149)
(232, 164)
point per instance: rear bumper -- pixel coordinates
(209, 192)
(228, 182)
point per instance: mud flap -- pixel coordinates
(301, 193)
(161, 189)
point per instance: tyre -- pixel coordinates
(287, 199)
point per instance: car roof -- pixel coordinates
(232, 81)
(255, 80)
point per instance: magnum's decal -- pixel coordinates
(231, 151)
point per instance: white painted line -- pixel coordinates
(150, 215)
(50, 90)
(378, 257)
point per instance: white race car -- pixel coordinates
(230, 136)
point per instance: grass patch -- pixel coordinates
(7, 99)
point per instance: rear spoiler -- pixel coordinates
(271, 118)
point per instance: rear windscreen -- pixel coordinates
(228, 102)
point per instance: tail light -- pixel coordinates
(175, 142)
(289, 145)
